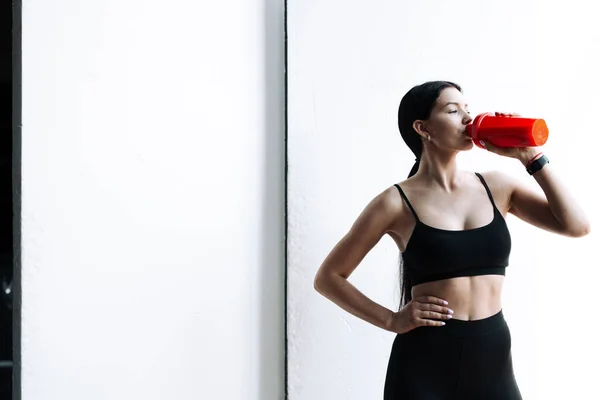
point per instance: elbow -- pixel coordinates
(582, 230)
(587, 229)
(318, 283)
(322, 283)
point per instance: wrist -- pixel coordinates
(387, 324)
(529, 156)
(537, 164)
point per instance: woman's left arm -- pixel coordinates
(558, 212)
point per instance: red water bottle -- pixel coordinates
(508, 130)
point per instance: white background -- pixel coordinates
(153, 200)
(350, 63)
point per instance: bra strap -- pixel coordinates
(407, 202)
(487, 189)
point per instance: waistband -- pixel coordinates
(462, 328)
(476, 327)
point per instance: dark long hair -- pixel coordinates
(416, 104)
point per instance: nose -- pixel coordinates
(468, 119)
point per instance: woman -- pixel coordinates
(452, 339)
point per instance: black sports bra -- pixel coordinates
(432, 254)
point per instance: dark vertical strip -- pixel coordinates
(286, 190)
(16, 191)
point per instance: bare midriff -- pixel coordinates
(470, 297)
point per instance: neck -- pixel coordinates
(439, 169)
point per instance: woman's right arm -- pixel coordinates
(331, 279)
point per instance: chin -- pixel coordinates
(469, 145)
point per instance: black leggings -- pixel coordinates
(466, 360)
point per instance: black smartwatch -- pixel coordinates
(537, 165)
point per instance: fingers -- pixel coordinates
(433, 308)
(503, 114)
(431, 311)
(435, 315)
(432, 300)
(492, 148)
(430, 322)
(501, 151)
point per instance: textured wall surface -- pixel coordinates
(350, 63)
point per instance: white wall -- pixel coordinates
(350, 62)
(153, 148)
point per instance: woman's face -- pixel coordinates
(448, 120)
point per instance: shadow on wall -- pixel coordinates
(271, 284)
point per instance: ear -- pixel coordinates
(420, 127)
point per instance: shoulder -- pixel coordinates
(389, 201)
(504, 187)
(383, 210)
(499, 181)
